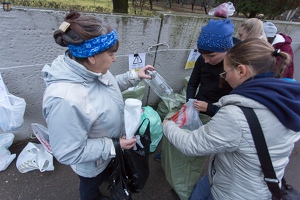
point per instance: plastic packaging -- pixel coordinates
(225, 9)
(159, 85)
(132, 116)
(6, 140)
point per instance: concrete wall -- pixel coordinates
(27, 45)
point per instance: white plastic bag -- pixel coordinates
(12, 109)
(223, 10)
(34, 156)
(6, 140)
(132, 116)
(42, 134)
(187, 117)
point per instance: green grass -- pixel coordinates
(81, 5)
(103, 6)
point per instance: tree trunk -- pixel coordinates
(252, 14)
(120, 6)
(150, 3)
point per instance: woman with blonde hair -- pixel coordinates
(252, 28)
(234, 168)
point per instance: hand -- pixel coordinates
(142, 71)
(200, 105)
(127, 143)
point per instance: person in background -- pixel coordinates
(234, 169)
(252, 28)
(83, 104)
(282, 42)
(204, 85)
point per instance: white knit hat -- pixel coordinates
(270, 29)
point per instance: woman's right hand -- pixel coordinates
(127, 143)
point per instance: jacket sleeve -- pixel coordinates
(194, 81)
(128, 79)
(68, 134)
(211, 109)
(221, 134)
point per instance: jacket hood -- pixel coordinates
(280, 96)
(282, 39)
(64, 69)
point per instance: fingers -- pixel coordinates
(149, 67)
(127, 143)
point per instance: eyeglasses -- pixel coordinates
(223, 74)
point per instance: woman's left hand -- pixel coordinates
(142, 72)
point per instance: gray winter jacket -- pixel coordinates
(83, 111)
(234, 170)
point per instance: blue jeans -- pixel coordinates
(89, 187)
(202, 190)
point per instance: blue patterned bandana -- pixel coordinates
(93, 46)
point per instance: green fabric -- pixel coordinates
(181, 171)
(156, 131)
(167, 109)
(136, 92)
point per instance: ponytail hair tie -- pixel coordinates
(276, 52)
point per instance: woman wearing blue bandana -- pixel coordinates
(234, 170)
(83, 104)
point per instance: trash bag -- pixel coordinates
(224, 10)
(167, 108)
(187, 117)
(136, 159)
(12, 109)
(136, 92)
(6, 140)
(34, 156)
(156, 131)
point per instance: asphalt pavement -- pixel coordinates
(62, 183)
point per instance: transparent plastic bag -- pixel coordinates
(187, 117)
(159, 85)
(42, 134)
(223, 10)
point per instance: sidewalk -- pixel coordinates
(62, 183)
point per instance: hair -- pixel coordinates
(258, 55)
(82, 28)
(201, 51)
(255, 28)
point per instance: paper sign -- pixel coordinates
(136, 60)
(194, 54)
(3, 92)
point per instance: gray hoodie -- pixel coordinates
(83, 111)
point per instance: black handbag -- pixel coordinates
(118, 180)
(286, 192)
(136, 159)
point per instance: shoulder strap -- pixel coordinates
(262, 151)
